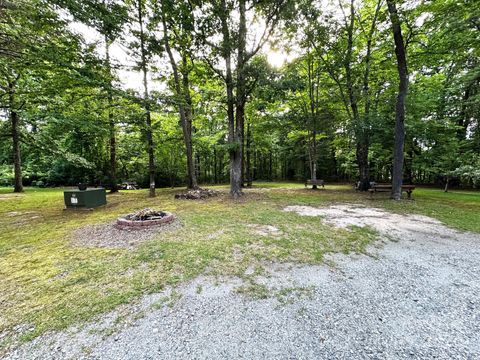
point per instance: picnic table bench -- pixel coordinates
(128, 185)
(358, 185)
(388, 188)
(315, 182)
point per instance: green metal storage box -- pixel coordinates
(85, 199)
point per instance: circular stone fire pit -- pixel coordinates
(144, 218)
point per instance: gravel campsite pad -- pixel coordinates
(418, 296)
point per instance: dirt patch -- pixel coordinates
(265, 230)
(393, 225)
(22, 217)
(215, 235)
(109, 236)
(19, 213)
(9, 196)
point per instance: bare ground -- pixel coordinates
(109, 236)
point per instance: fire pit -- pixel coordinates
(145, 217)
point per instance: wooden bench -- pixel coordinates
(358, 184)
(315, 182)
(388, 188)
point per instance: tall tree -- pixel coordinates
(359, 121)
(362, 123)
(111, 22)
(221, 21)
(337, 40)
(114, 17)
(177, 21)
(12, 66)
(400, 53)
(313, 83)
(145, 45)
(15, 124)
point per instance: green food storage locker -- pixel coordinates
(85, 199)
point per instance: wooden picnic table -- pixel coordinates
(315, 182)
(388, 188)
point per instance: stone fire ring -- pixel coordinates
(123, 223)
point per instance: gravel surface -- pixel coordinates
(417, 297)
(109, 236)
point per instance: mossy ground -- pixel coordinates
(47, 284)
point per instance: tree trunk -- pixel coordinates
(237, 153)
(187, 129)
(15, 122)
(312, 146)
(361, 128)
(363, 132)
(215, 168)
(184, 104)
(151, 154)
(17, 160)
(199, 167)
(409, 162)
(360, 134)
(463, 119)
(220, 166)
(400, 107)
(233, 138)
(249, 160)
(335, 164)
(172, 166)
(363, 165)
(243, 155)
(111, 124)
(146, 103)
(270, 167)
(255, 165)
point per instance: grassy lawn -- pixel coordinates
(46, 283)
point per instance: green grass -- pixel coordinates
(46, 283)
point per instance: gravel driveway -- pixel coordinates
(417, 297)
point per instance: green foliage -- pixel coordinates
(297, 114)
(468, 174)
